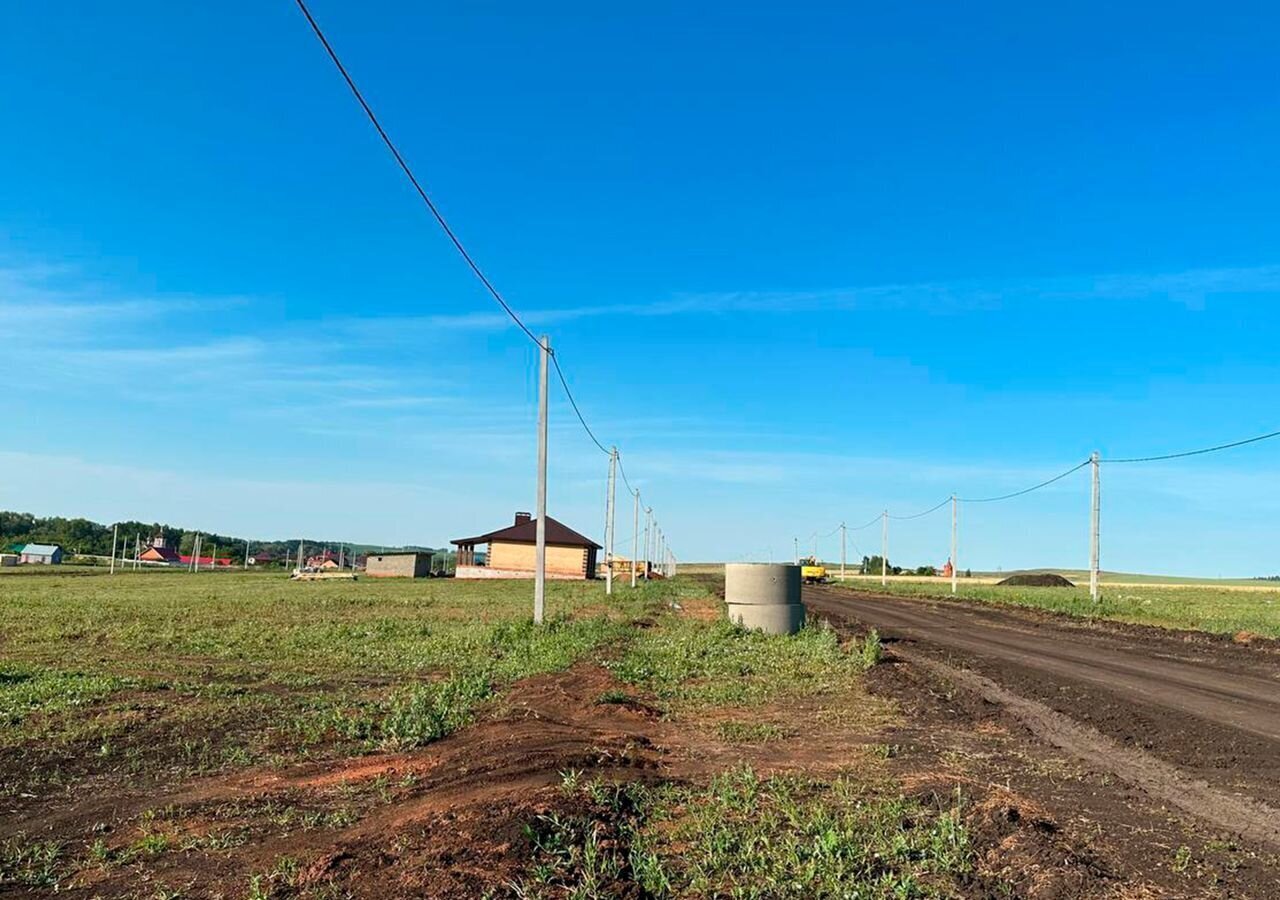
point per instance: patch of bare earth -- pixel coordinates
(1045, 823)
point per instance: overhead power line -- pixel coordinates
(417, 186)
(1203, 450)
(1034, 487)
(439, 217)
(623, 473)
(574, 403)
(868, 525)
(920, 515)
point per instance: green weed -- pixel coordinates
(696, 664)
(736, 732)
(30, 864)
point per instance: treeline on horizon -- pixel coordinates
(86, 538)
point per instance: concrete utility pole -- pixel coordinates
(608, 520)
(884, 548)
(213, 560)
(635, 537)
(1094, 526)
(115, 531)
(137, 540)
(246, 556)
(842, 552)
(796, 541)
(648, 534)
(955, 559)
(540, 547)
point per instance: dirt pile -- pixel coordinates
(1043, 579)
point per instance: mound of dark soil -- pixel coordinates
(1046, 579)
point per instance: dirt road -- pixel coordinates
(1195, 721)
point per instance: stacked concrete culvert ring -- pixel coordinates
(765, 596)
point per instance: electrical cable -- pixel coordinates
(439, 217)
(1037, 487)
(868, 525)
(1143, 459)
(404, 167)
(623, 473)
(920, 515)
(574, 403)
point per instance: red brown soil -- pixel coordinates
(1165, 812)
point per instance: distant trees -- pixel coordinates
(926, 570)
(871, 566)
(87, 538)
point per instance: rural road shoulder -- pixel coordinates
(1208, 717)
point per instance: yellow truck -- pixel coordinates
(812, 571)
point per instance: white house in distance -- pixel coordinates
(41, 555)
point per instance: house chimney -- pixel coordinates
(522, 518)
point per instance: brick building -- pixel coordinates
(570, 555)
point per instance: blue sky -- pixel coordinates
(801, 261)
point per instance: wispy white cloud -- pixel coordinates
(1191, 288)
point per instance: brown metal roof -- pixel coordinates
(527, 533)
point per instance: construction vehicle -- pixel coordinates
(812, 571)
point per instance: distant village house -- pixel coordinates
(41, 555)
(160, 552)
(570, 555)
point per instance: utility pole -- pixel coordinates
(246, 555)
(299, 554)
(842, 553)
(213, 560)
(540, 547)
(648, 531)
(608, 521)
(1094, 526)
(137, 553)
(115, 531)
(796, 541)
(884, 548)
(635, 537)
(955, 559)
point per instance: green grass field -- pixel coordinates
(1221, 609)
(149, 681)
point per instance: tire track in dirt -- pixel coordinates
(1225, 694)
(1248, 818)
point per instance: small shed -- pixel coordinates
(570, 555)
(398, 565)
(8, 560)
(41, 555)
